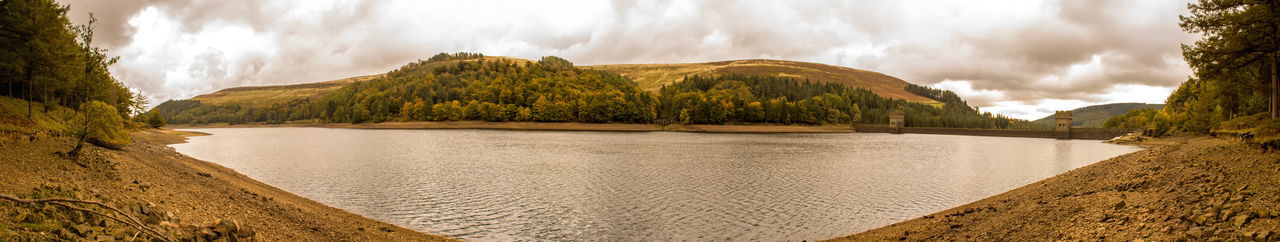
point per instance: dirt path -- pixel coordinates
(150, 180)
(1182, 188)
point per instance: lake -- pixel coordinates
(567, 185)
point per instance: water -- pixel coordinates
(552, 185)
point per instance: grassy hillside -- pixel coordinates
(1095, 116)
(651, 77)
(266, 95)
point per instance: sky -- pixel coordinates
(1020, 58)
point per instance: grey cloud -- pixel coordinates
(112, 29)
(1135, 44)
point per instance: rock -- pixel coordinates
(245, 232)
(1195, 232)
(1202, 219)
(1119, 205)
(1240, 220)
(224, 228)
(207, 233)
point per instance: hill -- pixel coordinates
(1095, 116)
(652, 77)
(267, 95)
(469, 86)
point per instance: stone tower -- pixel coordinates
(896, 121)
(1062, 128)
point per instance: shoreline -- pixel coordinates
(175, 194)
(1180, 188)
(542, 126)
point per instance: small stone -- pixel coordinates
(1240, 220)
(207, 233)
(1119, 205)
(1195, 233)
(223, 228)
(245, 232)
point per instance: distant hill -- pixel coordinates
(503, 88)
(654, 76)
(1096, 115)
(266, 95)
(650, 77)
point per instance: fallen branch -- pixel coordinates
(132, 222)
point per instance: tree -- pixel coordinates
(1240, 48)
(102, 126)
(555, 62)
(155, 120)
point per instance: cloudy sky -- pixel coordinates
(1020, 58)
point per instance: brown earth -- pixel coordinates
(1178, 189)
(707, 128)
(169, 190)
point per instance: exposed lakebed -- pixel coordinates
(556, 185)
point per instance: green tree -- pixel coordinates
(100, 125)
(1240, 49)
(155, 120)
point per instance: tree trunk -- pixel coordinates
(30, 92)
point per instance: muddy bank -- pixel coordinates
(173, 193)
(1180, 188)
(708, 128)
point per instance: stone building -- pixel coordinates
(896, 122)
(1062, 127)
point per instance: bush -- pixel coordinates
(104, 128)
(155, 120)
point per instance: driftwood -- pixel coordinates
(65, 202)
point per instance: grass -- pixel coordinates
(267, 95)
(13, 117)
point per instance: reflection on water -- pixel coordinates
(544, 185)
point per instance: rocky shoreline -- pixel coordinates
(177, 197)
(1178, 189)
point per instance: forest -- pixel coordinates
(1233, 88)
(50, 66)
(767, 99)
(45, 59)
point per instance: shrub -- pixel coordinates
(104, 127)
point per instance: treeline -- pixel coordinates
(768, 99)
(455, 56)
(46, 59)
(940, 95)
(1234, 86)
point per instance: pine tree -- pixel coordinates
(1241, 41)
